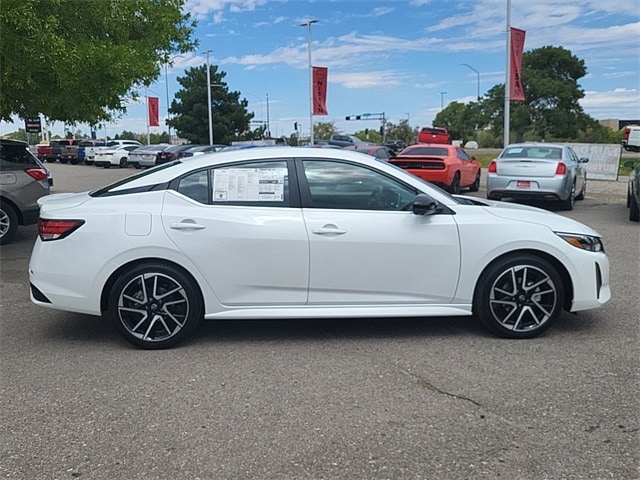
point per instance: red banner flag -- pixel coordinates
(153, 104)
(516, 91)
(320, 91)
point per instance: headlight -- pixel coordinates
(584, 242)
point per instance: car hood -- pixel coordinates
(528, 214)
(63, 200)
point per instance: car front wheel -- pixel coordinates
(519, 296)
(155, 305)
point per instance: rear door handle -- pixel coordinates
(186, 226)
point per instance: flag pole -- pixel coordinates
(146, 94)
(507, 81)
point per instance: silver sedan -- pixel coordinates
(538, 171)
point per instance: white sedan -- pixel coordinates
(285, 232)
(113, 156)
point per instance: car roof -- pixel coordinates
(9, 141)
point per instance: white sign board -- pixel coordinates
(604, 159)
(249, 184)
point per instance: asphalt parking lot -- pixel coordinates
(327, 399)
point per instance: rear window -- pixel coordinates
(435, 151)
(433, 131)
(17, 154)
(532, 152)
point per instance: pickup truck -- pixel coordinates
(43, 153)
(69, 151)
(346, 141)
(434, 135)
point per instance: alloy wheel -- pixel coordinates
(523, 298)
(153, 307)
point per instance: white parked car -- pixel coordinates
(284, 232)
(113, 156)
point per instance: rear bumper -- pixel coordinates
(551, 188)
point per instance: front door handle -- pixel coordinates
(328, 230)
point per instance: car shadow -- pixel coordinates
(79, 328)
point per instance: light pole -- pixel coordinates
(478, 77)
(166, 81)
(308, 25)
(442, 94)
(268, 126)
(209, 100)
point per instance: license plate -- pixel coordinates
(523, 184)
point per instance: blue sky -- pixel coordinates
(397, 56)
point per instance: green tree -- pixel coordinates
(190, 114)
(551, 108)
(80, 61)
(324, 130)
(401, 131)
(461, 120)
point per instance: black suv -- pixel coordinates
(23, 180)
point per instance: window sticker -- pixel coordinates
(249, 184)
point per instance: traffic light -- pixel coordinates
(295, 126)
(353, 117)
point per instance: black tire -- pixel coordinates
(628, 197)
(634, 209)
(475, 186)
(155, 305)
(123, 163)
(583, 191)
(8, 223)
(63, 160)
(513, 310)
(454, 188)
(568, 203)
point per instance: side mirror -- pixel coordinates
(423, 204)
(583, 160)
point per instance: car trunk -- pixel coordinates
(516, 167)
(418, 163)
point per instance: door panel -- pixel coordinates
(367, 246)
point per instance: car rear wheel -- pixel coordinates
(634, 209)
(155, 305)
(475, 186)
(568, 203)
(8, 223)
(123, 163)
(454, 188)
(519, 297)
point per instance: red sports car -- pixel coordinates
(445, 165)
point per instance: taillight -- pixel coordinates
(561, 169)
(37, 173)
(627, 131)
(57, 229)
(493, 167)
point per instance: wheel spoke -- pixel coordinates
(153, 307)
(522, 298)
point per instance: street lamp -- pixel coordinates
(442, 94)
(209, 100)
(166, 81)
(308, 25)
(477, 74)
